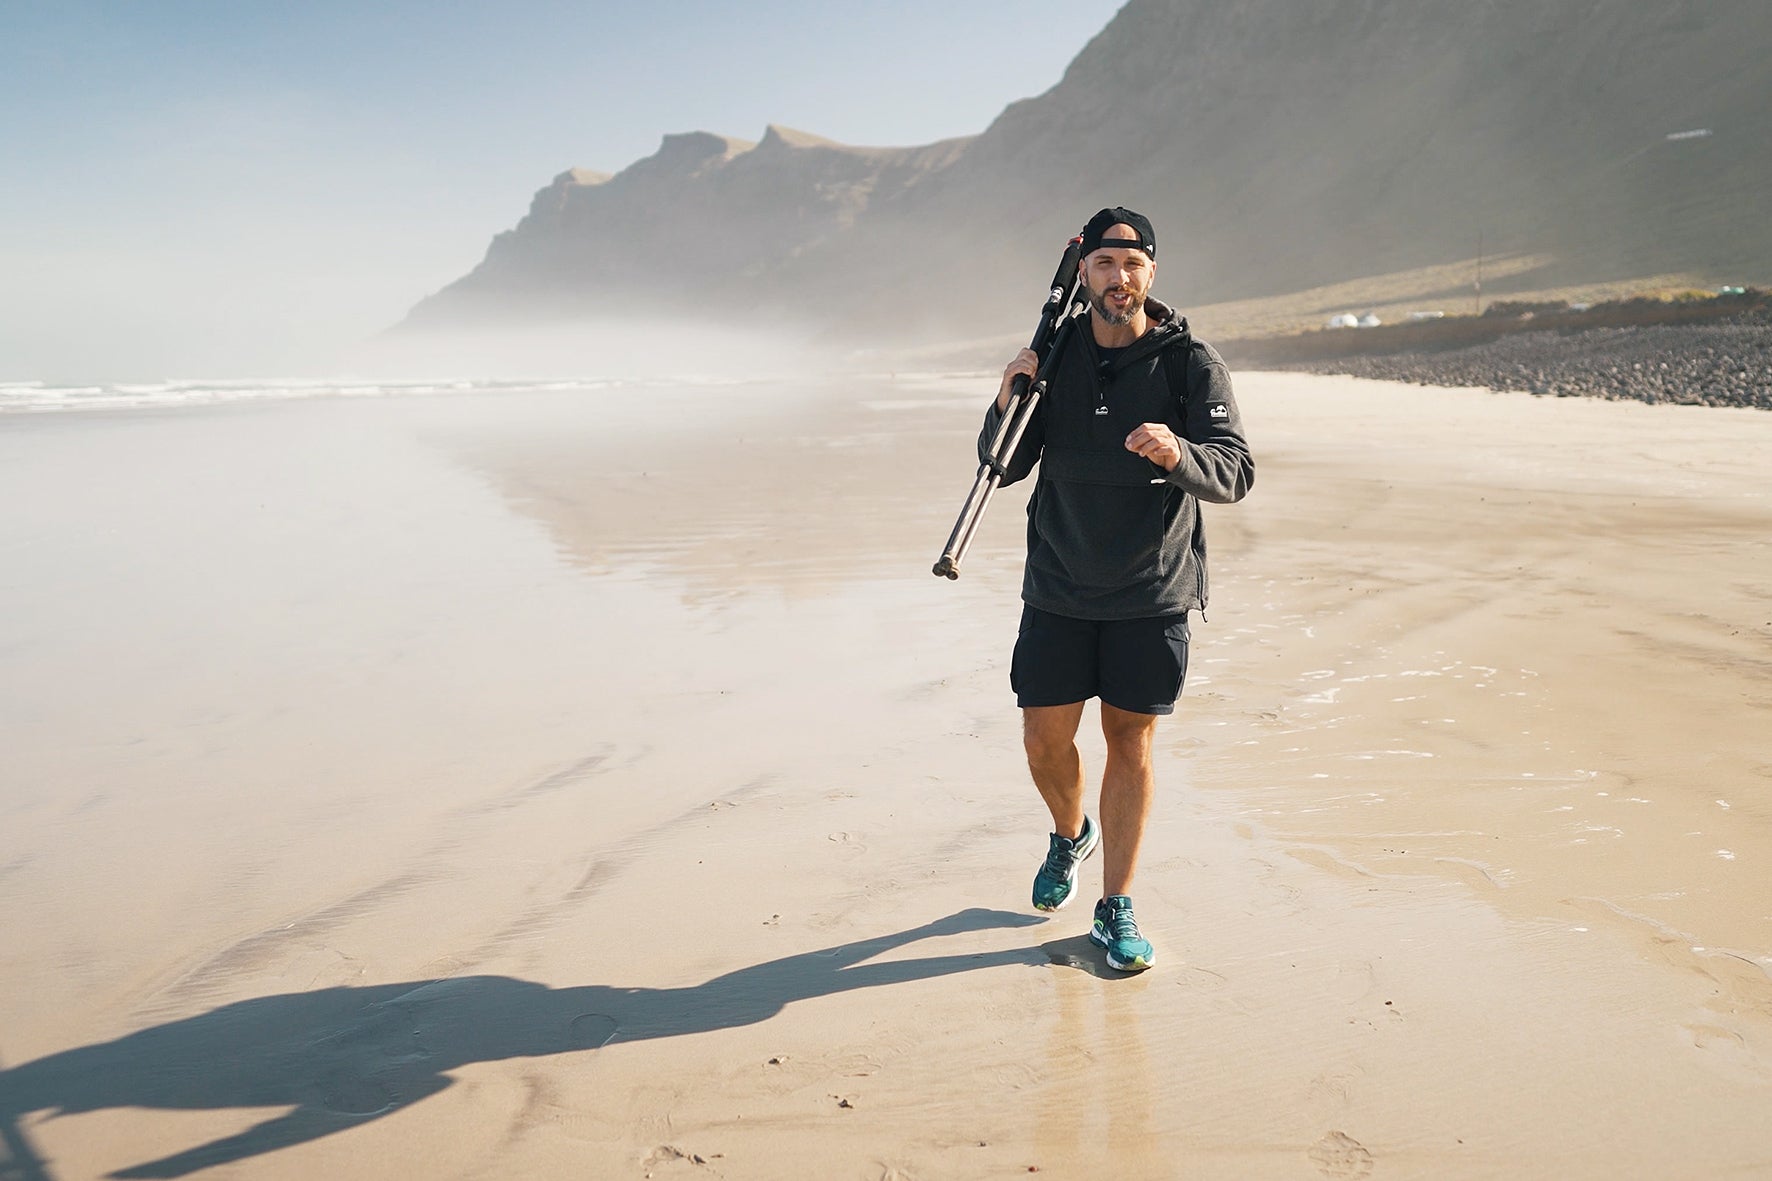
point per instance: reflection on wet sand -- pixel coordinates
(1096, 1097)
(859, 483)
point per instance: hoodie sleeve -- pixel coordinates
(1216, 465)
(1027, 452)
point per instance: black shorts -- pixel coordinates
(1137, 665)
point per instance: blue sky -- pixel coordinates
(216, 188)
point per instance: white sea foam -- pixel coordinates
(36, 397)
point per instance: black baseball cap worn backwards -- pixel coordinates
(1107, 219)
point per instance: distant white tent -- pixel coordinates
(1345, 320)
(1370, 321)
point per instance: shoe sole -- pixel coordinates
(1095, 831)
(1140, 964)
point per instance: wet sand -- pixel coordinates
(555, 785)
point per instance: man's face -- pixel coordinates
(1118, 279)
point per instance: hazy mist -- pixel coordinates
(198, 191)
(615, 348)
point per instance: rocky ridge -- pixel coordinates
(1277, 146)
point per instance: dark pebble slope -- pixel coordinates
(1725, 364)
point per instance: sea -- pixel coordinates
(39, 397)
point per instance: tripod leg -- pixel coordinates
(948, 566)
(990, 476)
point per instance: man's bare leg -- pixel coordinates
(1127, 785)
(1049, 734)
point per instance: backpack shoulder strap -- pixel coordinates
(1175, 361)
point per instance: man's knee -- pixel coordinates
(1049, 734)
(1128, 735)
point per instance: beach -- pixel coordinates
(596, 783)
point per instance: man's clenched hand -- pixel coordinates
(1156, 443)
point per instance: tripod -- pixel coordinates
(1057, 318)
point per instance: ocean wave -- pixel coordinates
(35, 397)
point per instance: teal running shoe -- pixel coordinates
(1116, 930)
(1058, 876)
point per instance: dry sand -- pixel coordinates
(558, 785)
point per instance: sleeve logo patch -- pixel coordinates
(1218, 410)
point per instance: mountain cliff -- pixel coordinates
(1276, 145)
(725, 213)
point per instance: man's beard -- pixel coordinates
(1098, 302)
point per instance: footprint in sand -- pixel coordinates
(666, 1154)
(1338, 1154)
(348, 1094)
(848, 842)
(590, 1031)
(1337, 1086)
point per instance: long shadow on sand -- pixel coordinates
(339, 1057)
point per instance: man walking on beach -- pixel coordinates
(1137, 426)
